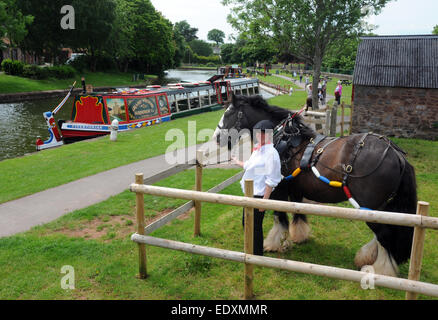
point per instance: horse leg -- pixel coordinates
(367, 255)
(299, 229)
(393, 243)
(277, 238)
(375, 257)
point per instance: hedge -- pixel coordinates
(18, 68)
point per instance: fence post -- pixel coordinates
(140, 227)
(351, 118)
(342, 118)
(249, 240)
(417, 249)
(327, 122)
(198, 187)
(333, 120)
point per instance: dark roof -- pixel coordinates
(397, 61)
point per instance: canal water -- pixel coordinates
(21, 123)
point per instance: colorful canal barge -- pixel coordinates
(97, 113)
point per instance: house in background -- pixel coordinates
(18, 54)
(395, 89)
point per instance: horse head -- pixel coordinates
(239, 118)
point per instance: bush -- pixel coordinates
(61, 72)
(204, 60)
(13, 67)
(31, 71)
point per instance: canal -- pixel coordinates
(21, 123)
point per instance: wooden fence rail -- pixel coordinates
(411, 286)
(295, 266)
(394, 218)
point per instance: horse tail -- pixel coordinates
(398, 239)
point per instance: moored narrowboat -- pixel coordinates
(96, 114)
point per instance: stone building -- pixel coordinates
(395, 86)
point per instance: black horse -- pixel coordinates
(367, 168)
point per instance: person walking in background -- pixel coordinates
(338, 92)
(301, 76)
(320, 96)
(309, 90)
(264, 168)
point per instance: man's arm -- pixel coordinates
(267, 195)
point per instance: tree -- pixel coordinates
(180, 47)
(93, 27)
(143, 38)
(45, 36)
(435, 30)
(216, 35)
(227, 53)
(201, 48)
(304, 28)
(184, 29)
(13, 23)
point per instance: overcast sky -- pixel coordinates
(398, 17)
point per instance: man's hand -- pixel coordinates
(237, 161)
(267, 195)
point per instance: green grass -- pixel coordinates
(13, 84)
(29, 174)
(294, 102)
(106, 266)
(278, 81)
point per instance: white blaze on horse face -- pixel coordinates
(217, 131)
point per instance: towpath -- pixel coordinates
(22, 214)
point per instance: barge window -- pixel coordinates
(116, 109)
(142, 108)
(162, 103)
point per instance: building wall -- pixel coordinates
(399, 112)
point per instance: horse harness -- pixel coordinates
(294, 140)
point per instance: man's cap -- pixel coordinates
(264, 125)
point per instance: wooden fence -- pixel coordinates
(420, 222)
(329, 119)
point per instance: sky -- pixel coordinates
(399, 17)
(407, 17)
(204, 15)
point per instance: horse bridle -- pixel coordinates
(239, 121)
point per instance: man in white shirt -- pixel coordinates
(264, 168)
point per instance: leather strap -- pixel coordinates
(307, 156)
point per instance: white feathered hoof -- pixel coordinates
(277, 239)
(384, 264)
(299, 231)
(367, 255)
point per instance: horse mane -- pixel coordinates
(277, 113)
(280, 114)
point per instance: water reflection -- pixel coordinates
(21, 123)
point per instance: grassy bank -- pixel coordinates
(96, 242)
(53, 167)
(13, 84)
(279, 81)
